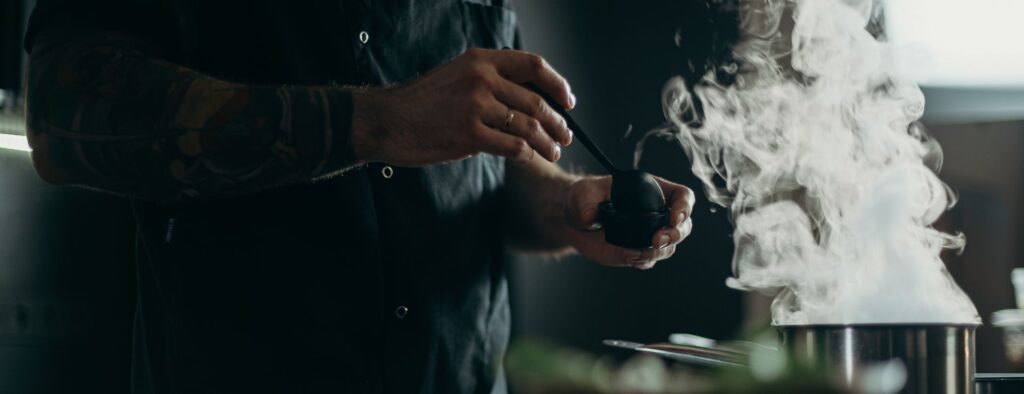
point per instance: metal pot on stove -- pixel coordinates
(936, 358)
(905, 358)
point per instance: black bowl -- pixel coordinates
(630, 230)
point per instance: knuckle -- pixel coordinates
(561, 131)
(477, 78)
(537, 105)
(537, 63)
(666, 253)
(534, 127)
(519, 148)
(683, 235)
(473, 54)
(564, 83)
(688, 195)
(484, 81)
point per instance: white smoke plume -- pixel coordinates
(832, 186)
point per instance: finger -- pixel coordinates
(526, 101)
(646, 266)
(587, 218)
(635, 257)
(680, 200)
(525, 127)
(523, 67)
(672, 235)
(660, 255)
(593, 245)
(501, 144)
(649, 256)
(589, 192)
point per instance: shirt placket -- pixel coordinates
(359, 34)
(387, 182)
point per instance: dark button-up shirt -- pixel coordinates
(381, 279)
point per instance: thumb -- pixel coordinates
(587, 219)
(583, 210)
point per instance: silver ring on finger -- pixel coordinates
(508, 120)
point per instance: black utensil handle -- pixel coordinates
(576, 129)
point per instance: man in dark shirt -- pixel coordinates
(323, 189)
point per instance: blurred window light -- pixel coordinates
(14, 142)
(12, 122)
(960, 43)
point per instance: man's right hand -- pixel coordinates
(461, 108)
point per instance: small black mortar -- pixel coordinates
(637, 207)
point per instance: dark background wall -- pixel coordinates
(66, 274)
(984, 164)
(66, 285)
(11, 22)
(617, 56)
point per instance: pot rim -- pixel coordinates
(875, 325)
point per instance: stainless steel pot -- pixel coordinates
(939, 358)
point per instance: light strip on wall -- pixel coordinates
(14, 142)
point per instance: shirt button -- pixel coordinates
(401, 311)
(387, 172)
(364, 36)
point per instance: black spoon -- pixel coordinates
(637, 208)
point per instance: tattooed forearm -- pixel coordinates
(105, 112)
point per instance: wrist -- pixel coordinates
(367, 107)
(338, 103)
(568, 210)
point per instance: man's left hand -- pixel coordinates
(587, 237)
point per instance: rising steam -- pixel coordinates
(831, 184)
